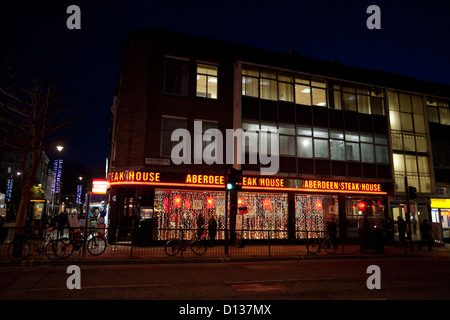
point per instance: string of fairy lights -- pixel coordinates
(179, 209)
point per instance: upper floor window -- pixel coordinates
(207, 77)
(438, 111)
(168, 125)
(176, 76)
(276, 85)
(362, 100)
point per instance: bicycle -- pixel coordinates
(174, 246)
(20, 247)
(315, 245)
(95, 245)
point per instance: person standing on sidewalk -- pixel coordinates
(425, 232)
(212, 230)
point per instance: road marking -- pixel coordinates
(279, 280)
(258, 287)
(108, 287)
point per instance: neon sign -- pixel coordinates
(99, 186)
(341, 186)
(262, 182)
(137, 176)
(248, 182)
(205, 179)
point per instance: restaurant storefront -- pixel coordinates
(286, 207)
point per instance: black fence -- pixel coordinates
(150, 243)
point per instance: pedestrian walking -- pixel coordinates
(401, 225)
(212, 230)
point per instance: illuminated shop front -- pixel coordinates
(284, 208)
(440, 217)
(266, 212)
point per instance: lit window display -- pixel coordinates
(357, 207)
(266, 212)
(313, 212)
(179, 209)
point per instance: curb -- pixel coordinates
(135, 261)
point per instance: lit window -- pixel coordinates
(207, 81)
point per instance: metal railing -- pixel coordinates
(149, 243)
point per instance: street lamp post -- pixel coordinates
(59, 148)
(79, 194)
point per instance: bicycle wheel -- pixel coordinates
(313, 245)
(198, 247)
(96, 245)
(70, 247)
(172, 247)
(55, 249)
(19, 249)
(329, 247)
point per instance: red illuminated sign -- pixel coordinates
(248, 182)
(99, 186)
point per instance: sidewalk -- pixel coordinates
(122, 255)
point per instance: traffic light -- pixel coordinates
(234, 180)
(412, 193)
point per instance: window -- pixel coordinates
(287, 140)
(176, 76)
(360, 99)
(168, 125)
(304, 142)
(250, 83)
(207, 138)
(207, 81)
(275, 85)
(381, 149)
(321, 149)
(337, 146)
(367, 151)
(285, 88)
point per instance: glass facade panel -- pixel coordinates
(337, 149)
(367, 154)
(268, 89)
(363, 104)
(352, 151)
(349, 101)
(382, 154)
(319, 97)
(287, 145)
(397, 141)
(405, 102)
(321, 148)
(250, 87)
(285, 92)
(304, 147)
(302, 94)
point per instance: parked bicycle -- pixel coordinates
(20, 247)
(174, 246)
(315, 245)
(95, 245)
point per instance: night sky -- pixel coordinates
(413, 41)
